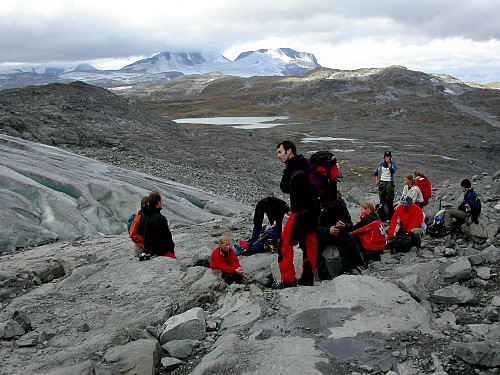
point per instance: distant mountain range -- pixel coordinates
(168, 65)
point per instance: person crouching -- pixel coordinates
(225, 259)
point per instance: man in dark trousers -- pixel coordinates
(334, 225)
(155, 230)
(301, 224)
(275, 209)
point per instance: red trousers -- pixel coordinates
(308, 245)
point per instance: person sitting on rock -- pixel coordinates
(334, 225)
(424, 185)
(154, 228)
(407, 218)
(470, 206)
(411, 188)
(225, 259)
(369, 233)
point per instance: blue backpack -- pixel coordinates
(266, 243)
(130, 220)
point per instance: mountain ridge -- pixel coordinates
(167, 65)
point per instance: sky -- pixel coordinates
(456, 37)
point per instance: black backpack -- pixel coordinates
(323, 174)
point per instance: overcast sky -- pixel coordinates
(458, 37)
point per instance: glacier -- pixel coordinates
(47, 194)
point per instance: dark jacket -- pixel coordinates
(470, 199)
(155, 231)
(332, 215)
(297, 184)
(370, 217)
(302, 195)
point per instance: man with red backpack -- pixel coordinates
(301, 224)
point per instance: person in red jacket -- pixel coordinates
(408, 217)
(369, 233)
(225, 259)
(424, 185)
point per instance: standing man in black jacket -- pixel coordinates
(155, 230)
(301, 224)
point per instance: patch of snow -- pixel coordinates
(120, 88)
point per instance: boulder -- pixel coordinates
(355, 196)
(10, 329)
(188, 325)
(413, 285)
(179, 348)
(479, 230)
(453, 294)
(483, 273)
(136, 357)
(461, 269)
(484, 353)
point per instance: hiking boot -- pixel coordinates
(284, 284)
(304, 281)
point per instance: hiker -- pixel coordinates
(411, 188)
(424, 185)
(301, 224)
(334, 225)
(133, 232)
(369, 233)
(407, 218)
(470, 206)
(384, 177)
(275, 209)
(155, 230)
(225, 259)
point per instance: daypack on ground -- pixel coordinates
(437, 226)
(402, 243)
(323, 174)
(266, 243)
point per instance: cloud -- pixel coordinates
(337, 32)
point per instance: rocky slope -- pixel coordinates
(88, 307)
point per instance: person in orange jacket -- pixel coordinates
(225, 259)
(133, 232)
(408, 217)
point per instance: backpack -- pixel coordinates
(130, 221)
(266, 243)
(323, 174)
(402, 243)
(437, 225)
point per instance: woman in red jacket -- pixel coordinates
(225, 259)
(369, 233)
(424, 185)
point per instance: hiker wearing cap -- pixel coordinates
(407, 218)
(413, 190)
(384, 177)
(301, 224)
(470, 206)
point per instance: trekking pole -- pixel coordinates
(439, 205)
